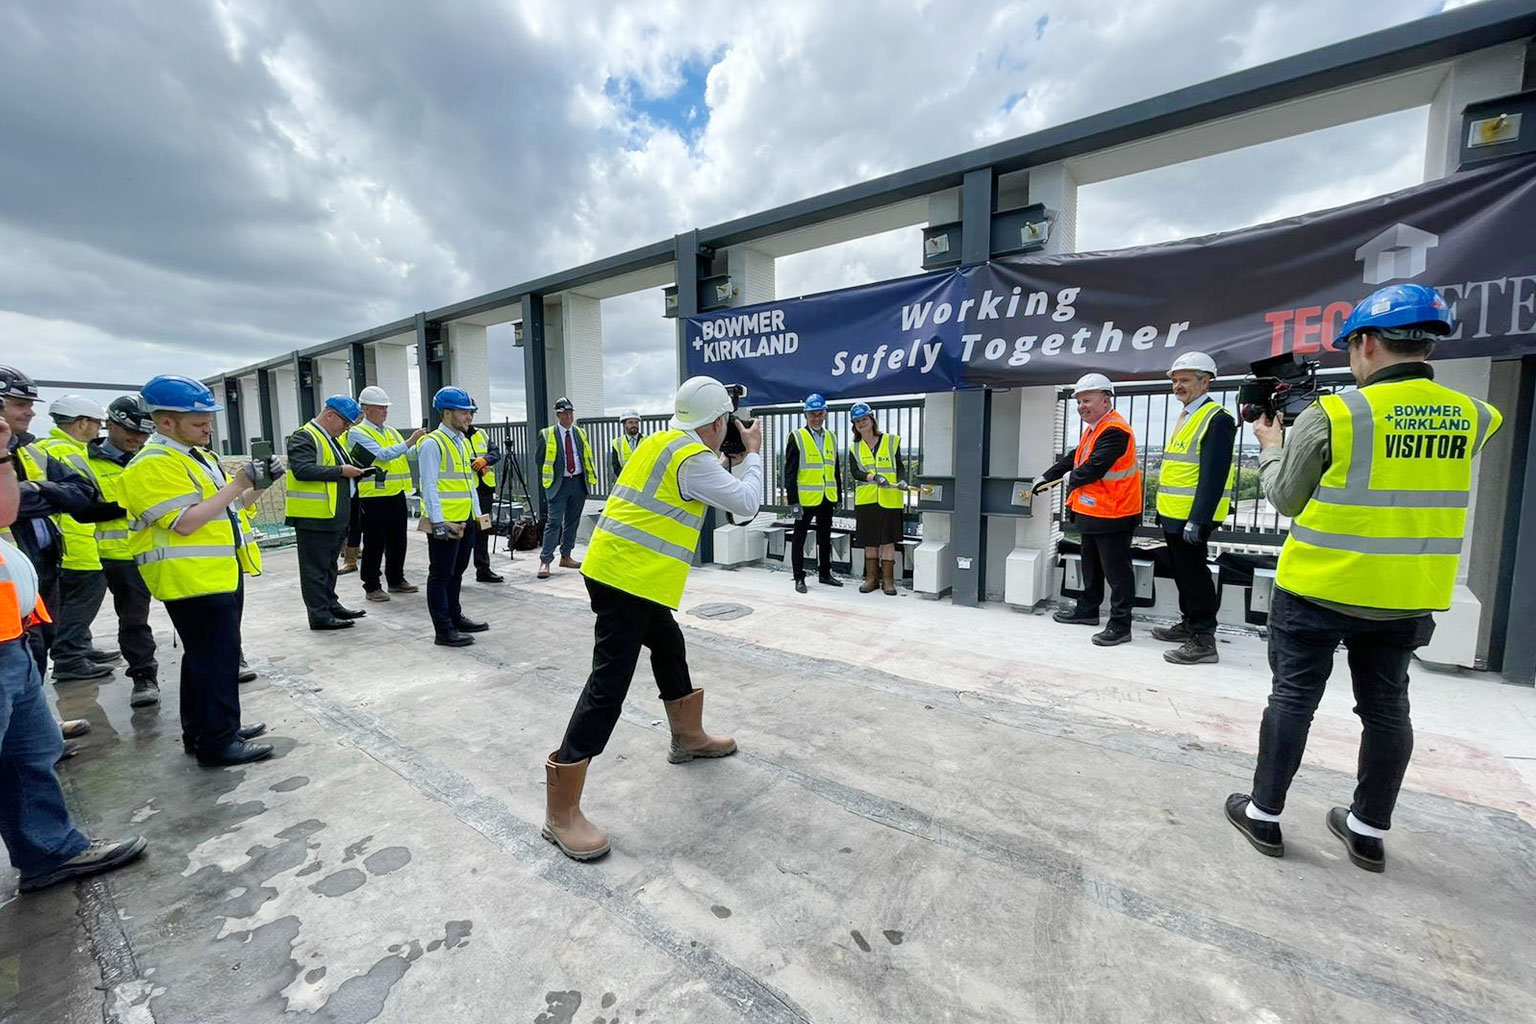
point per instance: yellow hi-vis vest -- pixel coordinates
(647, 534)
(35, 461)
(250, 551)
(817, 480)
(397, 471)
(158, 485)
(1179, 475)
(479, 444)
(112, 537)
(624, 449)
(455, 479)
(80, 551)
(883, 462)
(313, 499)
(1384, 528)
(547, 474)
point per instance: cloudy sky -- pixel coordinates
(192, 185)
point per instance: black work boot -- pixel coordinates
(1112, 636)
(1197, 650)
(1264, 835)
(1366, 852)
(1177, 633)
(1077, 616)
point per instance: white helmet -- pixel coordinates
(1193, 361)
(700, 401)
(74, 407)
(373, 395)
(1093, 382)
(629, 414)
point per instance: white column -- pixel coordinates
(555, 379)
(932, 564)
(287, 404)
(1030, 576)
(250, 411)
(1461, 632)
(581, 334)
(753, 273)
(389, 366)
(335, 378)
(469, 362)
(221, 421)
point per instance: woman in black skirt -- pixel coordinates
(874, 461)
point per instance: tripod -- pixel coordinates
(504, 492)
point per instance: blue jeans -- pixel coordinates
(565, 507)
(34, 822)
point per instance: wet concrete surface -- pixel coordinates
(919, 827)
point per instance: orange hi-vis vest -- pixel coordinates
(14, 622)
(1118, 492)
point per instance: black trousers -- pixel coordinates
(625, 624)
(483, 540)
(40, 637)
(1192, 575)
(1302, 639)
(130, 600)
(354, 524)
(447, 558)
(1107, 556)
(821, 515)
(209, 627)
(384, 522)
(80, 595)
(317, 569)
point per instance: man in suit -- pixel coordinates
(568, 474)
(321, 481)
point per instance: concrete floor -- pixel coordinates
(937, 814)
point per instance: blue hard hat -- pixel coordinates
(1399, 306)
(346, 406)
(860, 410)
(815, 403)
(453, 398)
(171, 392)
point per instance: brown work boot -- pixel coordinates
(564, 824)
(871, 571)
(888, 575)
(689, 740)
(567, 562)
(349, 560)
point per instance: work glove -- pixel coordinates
(479, 463)
(447, 530)
(1192, 532)
(1041, 486)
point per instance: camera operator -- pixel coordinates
(636, 568)
(1377, 481)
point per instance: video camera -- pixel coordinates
(1280, 384)
(732, 445)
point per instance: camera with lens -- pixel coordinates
(732, 445)
(1280, 384)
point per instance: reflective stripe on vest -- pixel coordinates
(455, 479)
(479, 445)
(173, 566)
(646, 537)
(112, 536)
(547, 473)
(1117, 493)
(312, 499)
(34, 461)
(817, 480)
(1384, 528)
(624, 449)
(12, 621)
(397, 471)
(1179, 476)
(883, 462)
(80, 551)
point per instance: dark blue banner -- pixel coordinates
(1239, 296)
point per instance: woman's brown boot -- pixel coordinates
(871, 571)
(889, 569)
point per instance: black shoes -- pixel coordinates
(80, 672)
(245, 732)
(104, 657)
(486, 576)
(330, 623)
(1264, 835)
(1077, 617)
(800, 586)
(145, 693)
(348, 613)
(1197, 650)
(1366, 852)
(1177, 633)
(1112, 637)
(471, 626)
(236, 752)
(453, 639)
(98, 857)
(829, 581)
(246, 673)
(403, 588)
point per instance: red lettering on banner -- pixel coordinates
(1334, 317)
(1308, 330)
(1308, 326)
(1277, 321)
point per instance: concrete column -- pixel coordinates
(221, 423)
(556, 381)
(753, 273)
(469, 362)
(581, 337)
(389, 366)
(1461, 633)
(335, 377)
(250, 412)
(932, 563)
(1030, 573)
(288, 419)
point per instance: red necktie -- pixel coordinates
(570, 456)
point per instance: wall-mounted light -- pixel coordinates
(517, 335)
(941, 246)
(669, 302)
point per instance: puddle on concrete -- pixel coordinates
(721, 611)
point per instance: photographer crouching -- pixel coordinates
(1377, 481)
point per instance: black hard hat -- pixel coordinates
(127, 413)
(15, 384)
(563, 404)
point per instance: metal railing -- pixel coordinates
(1151, 410)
